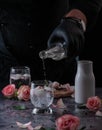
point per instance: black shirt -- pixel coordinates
(25, 28)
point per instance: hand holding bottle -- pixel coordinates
(70, 33)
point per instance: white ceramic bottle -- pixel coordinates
(84, 81)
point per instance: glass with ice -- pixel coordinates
(20, 75)
(41, 95)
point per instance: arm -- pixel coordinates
(70, 32)
(87, 10)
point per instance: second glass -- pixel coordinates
(20, 75)
(42, 96)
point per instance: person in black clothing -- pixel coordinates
(92, 48)
(27, 27)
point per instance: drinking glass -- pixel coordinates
(41, 95)
(20, 75)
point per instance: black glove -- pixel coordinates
(70, 33)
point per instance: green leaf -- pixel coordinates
(19, 107)
(83, 106)
(82, 128)
(42, 128)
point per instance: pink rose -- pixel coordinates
(9, 91)
(23, 92)
(93, 103)
(67, 122)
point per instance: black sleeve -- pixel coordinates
(90, 8)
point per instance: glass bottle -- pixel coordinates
(84, 81)
(57, 52)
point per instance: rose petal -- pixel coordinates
(55, 84)
(21, 125)
(30, 127)
(53, 105)
(98, 113)
(39, 128)
(60, 103)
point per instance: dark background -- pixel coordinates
(93, 49)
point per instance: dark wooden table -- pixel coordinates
(9, 114)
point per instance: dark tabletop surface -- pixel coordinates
(9, 114)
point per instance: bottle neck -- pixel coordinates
(57, 52)
(85, 66)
